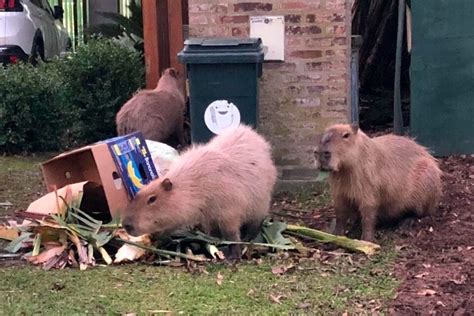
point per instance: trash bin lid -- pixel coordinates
(221, 50)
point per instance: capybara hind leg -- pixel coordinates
(180, 133)
(368, 220)
(251, 230)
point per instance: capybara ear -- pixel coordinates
(166, 184)
(173, 72)
(354, 127)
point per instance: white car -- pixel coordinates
(30, 29)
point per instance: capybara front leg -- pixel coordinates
(343, 213)
(368, 219)
(235, 251)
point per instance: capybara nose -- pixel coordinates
(326, 156)
(128, 227)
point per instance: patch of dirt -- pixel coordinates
(436, 265)
(436, 255)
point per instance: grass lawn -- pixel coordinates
(328, 283)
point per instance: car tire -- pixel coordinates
(38, 51)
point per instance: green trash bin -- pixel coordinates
(223, 83)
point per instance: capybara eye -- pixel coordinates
(346, 135)
(151, 200)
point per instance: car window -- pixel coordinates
(37, 3)
(47, 7)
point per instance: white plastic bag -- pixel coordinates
(162, 155)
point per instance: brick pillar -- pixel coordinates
(310, 89)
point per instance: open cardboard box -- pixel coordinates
(119, 166)
(93, 200)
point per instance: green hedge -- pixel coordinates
(67, 102)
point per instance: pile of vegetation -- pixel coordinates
(67, 102)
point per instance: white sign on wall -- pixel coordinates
(271, 29)
(220, 115)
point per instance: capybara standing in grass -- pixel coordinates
(157, 113)
(378, 178)
(223, 187)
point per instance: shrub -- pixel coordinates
(32, 114)
(100, 77)
(67, 102)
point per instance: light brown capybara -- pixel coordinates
(157, 113)
(223, 187)
(377, 178)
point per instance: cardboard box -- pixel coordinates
(120, 165)
(133, 160)
(93, 200)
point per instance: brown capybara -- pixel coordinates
(377, 178)
(223, 187)
(157, 113)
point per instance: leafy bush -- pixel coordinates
(67, 102)
(32, 117)
(101, 76)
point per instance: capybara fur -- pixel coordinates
(223, 187)
(157, 113)
(380, 178)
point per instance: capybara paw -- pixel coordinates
(368, 237)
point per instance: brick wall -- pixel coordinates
(301, 96)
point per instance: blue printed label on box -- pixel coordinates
(133, 160)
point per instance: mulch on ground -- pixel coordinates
(437, 264)
(436, 255)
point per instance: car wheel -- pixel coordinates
(37, 52)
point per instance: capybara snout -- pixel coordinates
(335, 147)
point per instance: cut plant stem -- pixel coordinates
(166, 253)
(365, 247)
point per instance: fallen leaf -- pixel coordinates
(345, 314)
(439, 303)
(304, 305)
(426, 265)
(251, 292)
(461, 281)
(46, 255)
(220, 255)
(219, 278)
(421, 275)
(398, 248)
(276, 298)
(278, 270)
(426, 292)
(8, 233)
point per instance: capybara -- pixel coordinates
(380, 178)
(223, 187)
(157, 113)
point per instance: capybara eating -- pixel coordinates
(223, 187)
(377, 178)
(157, 113)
